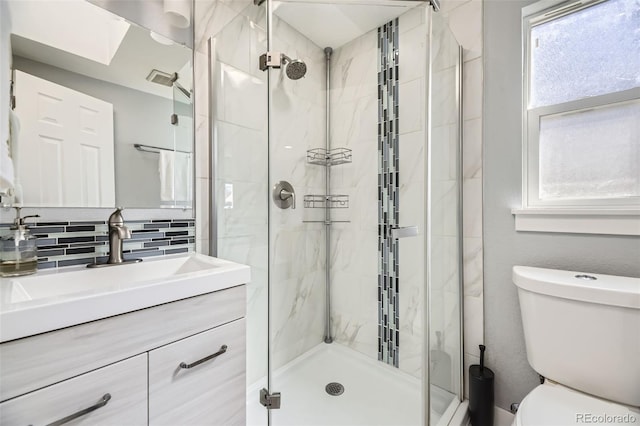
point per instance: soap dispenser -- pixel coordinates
(18, 249)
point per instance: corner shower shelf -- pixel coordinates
(326, 201)
(328, 157)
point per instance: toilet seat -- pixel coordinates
(552, 404)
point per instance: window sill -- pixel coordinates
(578, 221)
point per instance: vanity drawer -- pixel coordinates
(38, 361)
(210, 393)
(125, 382)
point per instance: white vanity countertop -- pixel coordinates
(53, 299)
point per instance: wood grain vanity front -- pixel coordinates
(163, 331)
(179, 395)
(125, 382)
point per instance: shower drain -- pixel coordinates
(334, 389)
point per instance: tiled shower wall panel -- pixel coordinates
(297, 247)
(77, 243)
(354, 255)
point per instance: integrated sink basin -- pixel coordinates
(53, 299)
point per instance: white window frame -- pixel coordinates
(600, 216)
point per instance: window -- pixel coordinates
(582, 106)
(581, 110)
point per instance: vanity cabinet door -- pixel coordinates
(113, 395)
(200, 380)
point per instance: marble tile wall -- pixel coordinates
(297, 247)
(354, 256)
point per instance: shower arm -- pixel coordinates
(285, 58)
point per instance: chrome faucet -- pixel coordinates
(117, 232)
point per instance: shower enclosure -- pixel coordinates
(335, 136)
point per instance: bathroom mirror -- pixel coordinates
(103, 112)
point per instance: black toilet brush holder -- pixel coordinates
(481, 393)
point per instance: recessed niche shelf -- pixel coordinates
(326, 201)
(331, 157)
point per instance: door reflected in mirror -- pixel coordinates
(103, 111)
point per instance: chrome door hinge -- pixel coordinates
(174, 119)
(270, 400)
(270, 60)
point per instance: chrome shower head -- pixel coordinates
(295, 68)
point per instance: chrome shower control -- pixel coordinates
(284, 196)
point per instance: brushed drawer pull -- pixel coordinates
(222, 350)
(103, 401)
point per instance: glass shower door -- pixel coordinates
(445, 225)
(240, 159)
(352, 145)
(296, 230)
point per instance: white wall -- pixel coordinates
(504, 247)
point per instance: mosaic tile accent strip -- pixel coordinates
(388, 193)
(77, 243)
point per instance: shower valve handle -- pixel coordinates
(284, 195)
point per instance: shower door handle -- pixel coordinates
(397, 232)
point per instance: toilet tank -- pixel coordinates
(583, 330)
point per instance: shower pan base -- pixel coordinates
(375, 394)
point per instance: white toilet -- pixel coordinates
(582, 333)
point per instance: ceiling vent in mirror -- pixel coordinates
(161, 77)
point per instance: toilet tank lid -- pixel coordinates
(604, 289)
